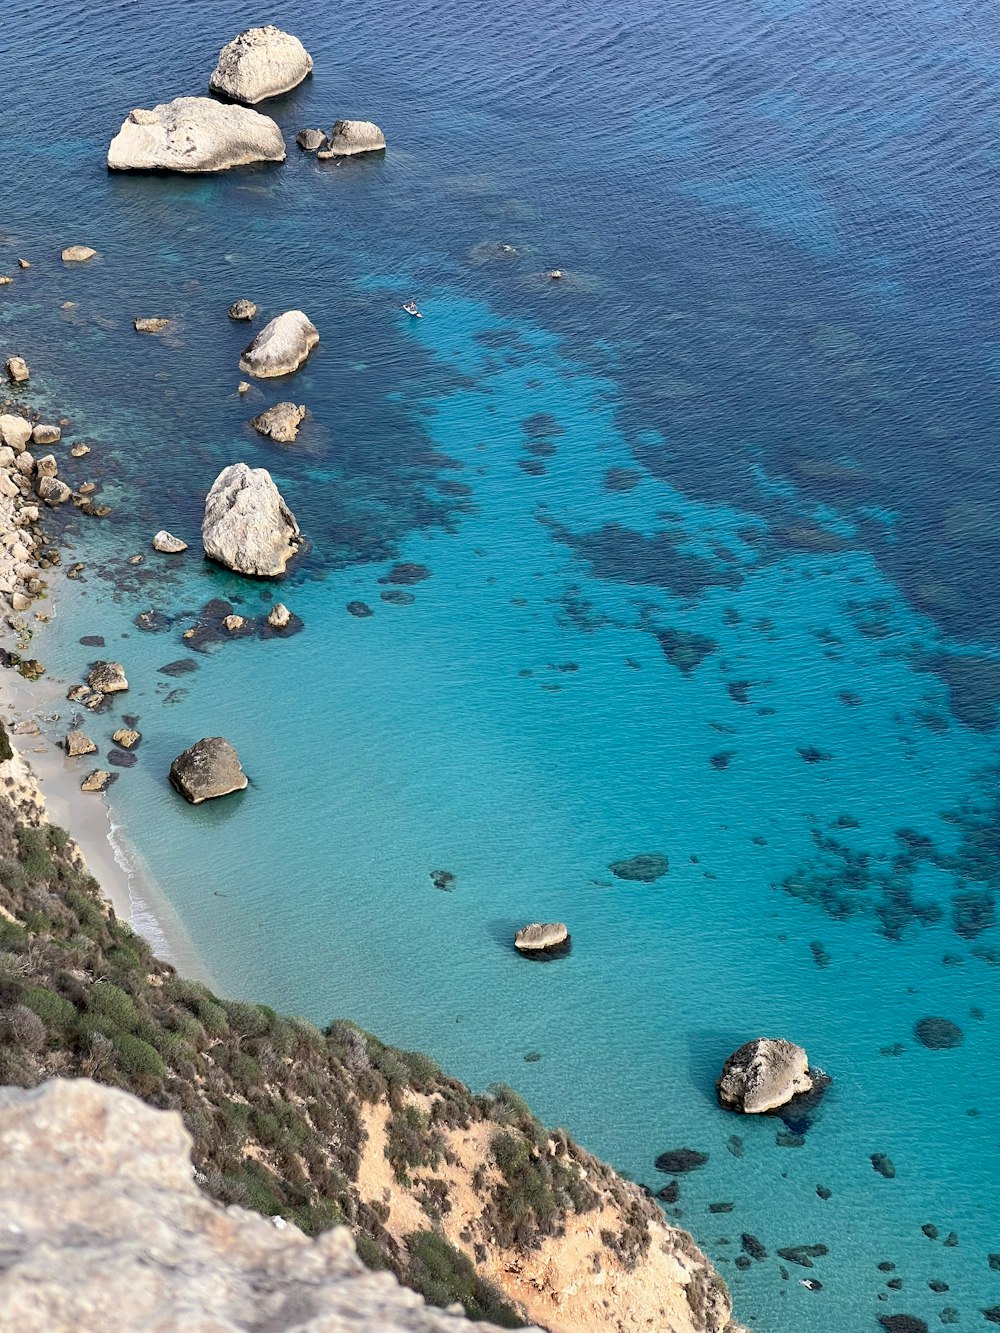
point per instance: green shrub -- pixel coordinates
(370, 1252)
(115, 1004)
(424, 1073)
(138, 1058)
(6, 751)
(55, 1012)
(443, 1274)
(33, 852)
(58, 838)
(214, 1018)
(249, 1020)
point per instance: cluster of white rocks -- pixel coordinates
(199, 134)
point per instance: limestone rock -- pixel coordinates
(311, 140)
(209, 768)
(151, 325)
(127, 738)
(79, 450)
(247, 526)
(17, 369)
(77, 743)
(234, 623)
(243, 387)
(280, 422)
(764, 1074)
(47, 466)
(15, 432)
(279, 616)
(167, 543)
(104, 1228)
(193, 134)
(107, 678)
(53, 491)
(350, 137)
(281, 346)
(45, 433)
(540, 937)
(242, 309)
(77, 254)
(96, 781)
(260, 63)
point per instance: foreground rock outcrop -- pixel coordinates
(194, 134)
(260, 63)
(764, 1074)
(105, 1229)
(281, 346)
(247, 525)
(207, 769)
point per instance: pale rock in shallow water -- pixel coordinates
(126, 737)
(247, 526)
(17, 369)
(350, 137)
(280, 422)
(53, 491)
(167, 543)
(79, 450)
(281, 346)
(242, 309)
(234, 623)
(107, 678)
(279, 616)
(105, 1228)
(541, 936)
(77, 743)
(96, 781)
(763, 1075)
(15, 432)
(260, 63)
(45, 433)
(193, 134)
(151, 325)
(47, 466)
(311, 140)
(209, 768)
(77, 254)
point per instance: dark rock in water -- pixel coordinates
(407, 572)
(811, 1283)
(122, 758)
(902, 1323)
(938, 1034)
(930, 1230)
(532, 1057)
(743, 1261)
(443, 879)
(670, 1193)
(786, 1139)
(397, 597)
(823, 1192)
(949, 1315)
(937, 1285)
(360, 609)
(883, 1165)
(951, 1240)
(886, 1267)
(154, 622)
(208, 769)
(645, 867)
(811, 755)
(803, 1255)
(895, 1049)
(93, 640)
(722, 758)
(735, 1145)
(182, 667)
(820, 956)
(684, 650)
(622, 479)
(721, 1207)
(895, 1284)
(992, 1315)
(972, 913)
(680, 1160)
(753, 1247)
(994, 1262)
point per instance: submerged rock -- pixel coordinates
(167, 543)
(194, 134)
(242, 309)
(151, 325)
(541, 937)
(902, 1323)
(280, 422)
(247, 526)
(107, 678)
(281, 346)
(260, 63)
(350, 137)
(762, 1075)
(209, 768)
(938, 1034)
(678, 1161)
(646, 867)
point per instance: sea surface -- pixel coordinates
(692, 553)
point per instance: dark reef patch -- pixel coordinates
(684, 649)
(902, 1323)
(397, 597)
(182, 667)
(678, 1161)
(722, 758)
(621, 555)
(645, 867)
(359, 609)
(973, 687)
(405, 573)
(621, 479)
(938, 1034)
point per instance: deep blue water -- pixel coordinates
(710, 529)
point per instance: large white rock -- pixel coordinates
(208, 769)
(281, 346)
(194, 134)
(247, 526)
(763, 1075)
(349, 137)
(260, 63)
(14, 431)
(541, 936)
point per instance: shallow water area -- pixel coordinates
(675, 556)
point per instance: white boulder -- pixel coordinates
(281, 346)
(763, 1075)
(194, 134)
(349, 137)
(260, 63)
(247, 525)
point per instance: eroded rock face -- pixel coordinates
(107, 678)
(279, 616)
(350, 137)
(260, 63)
(167, 543)
(764, 1074)
(77, 743)
(281, 346)
(106, 1229)
(209, 768)
(247, 525)
(242, 309)
(311, 141)
(46, 433)
(15, 432)
(281, 422)
(17, 370)
(193, 134)
(151, 324)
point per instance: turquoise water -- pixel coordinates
(704, 531)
